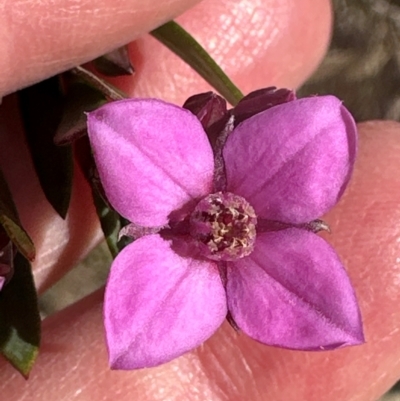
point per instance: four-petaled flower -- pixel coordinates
(243, 249)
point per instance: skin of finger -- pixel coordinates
(257, 42)
(231, 366)
(41, 38)
(60, 244)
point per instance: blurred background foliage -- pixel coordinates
(362, 65)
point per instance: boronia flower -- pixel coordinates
(240, 247)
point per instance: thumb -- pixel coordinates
(42, 38)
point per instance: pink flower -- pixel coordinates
(241, 249)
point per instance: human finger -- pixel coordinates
(39, 39)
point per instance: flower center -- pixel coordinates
(224, 226)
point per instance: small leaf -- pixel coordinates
(81, 98)
(41, 109)
(11, 224)
(98, 83)
(19, 318)
(109, 221)
(188, 49)
(115, 63)
(7, 254)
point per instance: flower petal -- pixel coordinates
(293, 161)
(293, 292)
(153, 158)
(158, 305)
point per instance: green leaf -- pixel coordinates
(11, 224)
(115, 63)
(188, 49)
(41, 109)
(109, 221)
(81, 98)
(19, 318)
(98, 83)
